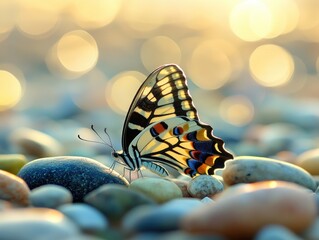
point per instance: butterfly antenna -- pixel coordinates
(109, 138)
(92, 141)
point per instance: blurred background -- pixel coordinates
(252, 67)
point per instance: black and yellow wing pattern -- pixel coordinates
(162, 128)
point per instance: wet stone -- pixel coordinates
(161, 190)
(86, 217)
(115, 200)
(50, 196)
(79, 175)
(13, 189)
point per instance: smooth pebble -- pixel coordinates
(116, 200)
(276, 232)
(86, 217)
(35, 143)
(13, 188)
(166, 217)
(204, 186)
(248, 169)
(50, 196)
(312, 233)
(183, 185)
(12, 162)
(250, 207)
(176, 235)
(80, 175)
(35, 224)
(309, 161)
(161, 190)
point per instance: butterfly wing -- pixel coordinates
(163, 95)
(182, 143)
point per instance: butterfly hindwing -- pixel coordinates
(182, 143)
(163, 95)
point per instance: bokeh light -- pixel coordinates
(237, 110)
(77, 51)
(95, 13)
(165, 50)
(271, 65)
(209, 66)
(10, 90)
(121, 90)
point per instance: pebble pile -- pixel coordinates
(73, 197)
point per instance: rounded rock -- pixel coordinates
(87, 218)
(13, 189)
(273, 202)
(249, 169)
(183, 185)
(309, 161)
(204, 186)
(161, 190)
(276, 232)
(35, 223)
(115, 200)
(12, 163)
(80, 175)
(50, 196)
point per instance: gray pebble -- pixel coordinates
(86, 217)
(50, 196)
(204, 186)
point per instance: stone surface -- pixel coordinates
(159, 189)
(115, 200)
(12, 162)
(309, 161)
(312, 232)
(78, 174)
(276, 232)
(182, 184)
(248, 169)
(204, 186)
(35, 143)
(50, 196)
(166, 217)
(13, 188)
(35, 224)
(245, 210)
(86, 217)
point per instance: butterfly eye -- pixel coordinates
(115, 154)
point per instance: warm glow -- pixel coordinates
(10, 90)
(271, 65)
(209, 66)
(165, 50)
(95, 13)
(121, 90)
(237, 110)
(77, 51)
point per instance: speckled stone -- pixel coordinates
(50, 196)
(248, 169)
(115, 200)
(245, 210)
(12, 162)
(161, 190)
(86, 217)
(204, 186)
(78, 174)
(35, 224)
(183, 185)
(35, 143)
(13, 188)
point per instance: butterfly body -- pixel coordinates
(162, 128)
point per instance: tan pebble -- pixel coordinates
(13, 189)
(249, 169)
(253, 206)
(12, 162)
(309, 161)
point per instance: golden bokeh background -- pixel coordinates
(93, 56)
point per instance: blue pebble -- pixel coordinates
(80, 175)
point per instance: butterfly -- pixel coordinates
(162, 128)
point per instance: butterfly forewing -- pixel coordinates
(163, 95)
